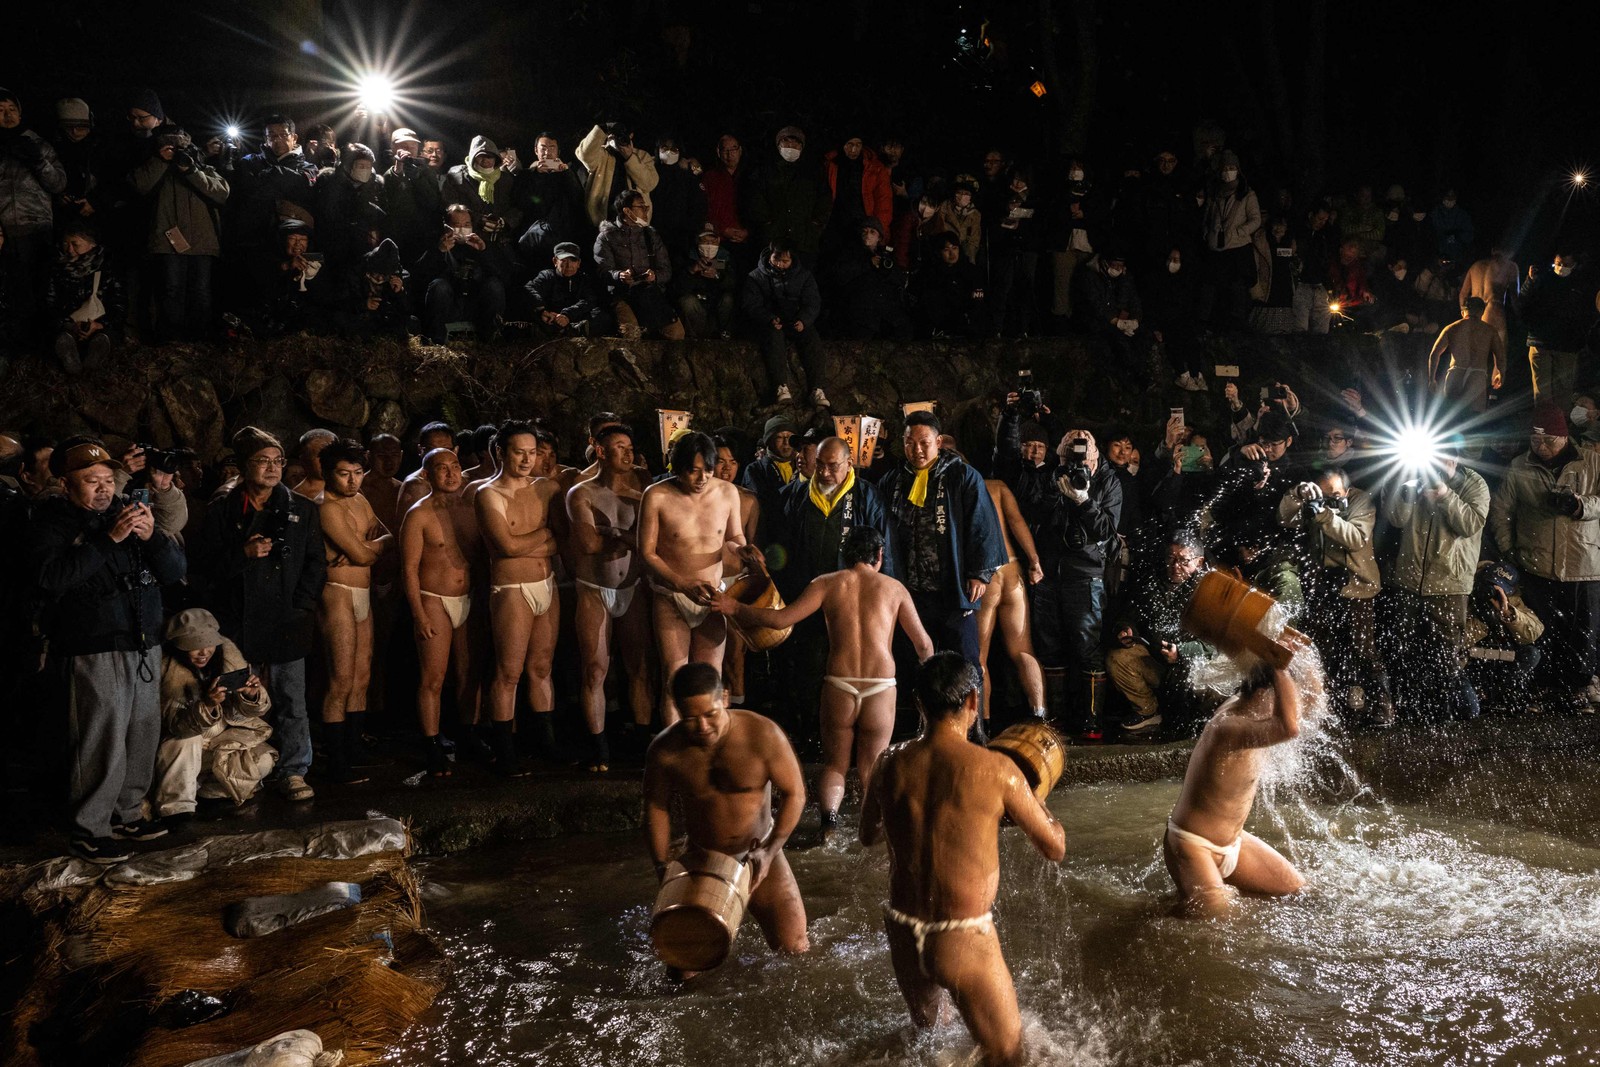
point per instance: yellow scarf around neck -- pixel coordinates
(821, 500)
(919, 487)
(785, 470)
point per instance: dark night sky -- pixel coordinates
(1415, 95)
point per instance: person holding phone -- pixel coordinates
(213, 727)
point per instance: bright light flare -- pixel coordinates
(1580, 178)
(1335, 307)
(232, 132)
(375, 93)
(1418, 449)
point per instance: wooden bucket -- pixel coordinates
(1227, 613)
(698, 909)
(757, 590)
(1038, 749)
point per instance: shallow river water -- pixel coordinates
(1432, 931)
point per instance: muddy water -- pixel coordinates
(1432, 931)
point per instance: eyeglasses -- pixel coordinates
(1335, 438)
(1542, 439)
(279, 462)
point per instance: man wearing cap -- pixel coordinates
(410, 196)
(1467, 360)
(30, 179)
(465, 278)
(1545, 517)
(1440, 516)
(101, 562)
(780, 300)
(790, 201)
(79, 150)
(567, 299)
(774, 469)
(260, 554)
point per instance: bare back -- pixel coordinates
(862, 607)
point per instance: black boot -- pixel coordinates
(438, 762)
(507, 764)
(1055, 695)
(599, 753)
(336, 741)
(360, 754)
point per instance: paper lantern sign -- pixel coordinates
(670, 422)
(918, 405)
(860, 433)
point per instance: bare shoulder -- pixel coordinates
(547, 489)
(418, 514)
(665, 747)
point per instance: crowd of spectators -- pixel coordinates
(174, 608)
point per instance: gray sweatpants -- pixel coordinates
(114, 726)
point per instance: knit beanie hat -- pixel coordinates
(250, 440)
(147, 101)
(1549, 419)
(776, 424)
(72, 111)
(1032, 431)
(792, 131)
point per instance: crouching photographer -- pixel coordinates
(100, 563)
(1341, 586)
(1503, 640)
(1072, 507)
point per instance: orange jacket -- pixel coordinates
(876, 194)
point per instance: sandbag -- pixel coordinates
(254, 916)
(297, 1048)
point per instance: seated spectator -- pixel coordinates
(949, 293)
(213, 726)
(550, 193)
(1108, 304)
(285, 279)
(781, 301)
(868, 300)
(567, 299)
(486, 190)
(1502, 641)
(635, 260)
(959, 216)
(1150, 651)
(86, 302)
(373, 303)
(465, 278)
(183, 196)
(707, 288)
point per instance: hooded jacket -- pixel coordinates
(956, 492)
(791, 295)
(30, 178)
(1440, 539)
(1529, 530)
(460, 187)
(265, 606)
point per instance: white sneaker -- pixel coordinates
(819, 399)
(784, 396)
(293, 787)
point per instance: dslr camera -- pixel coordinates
(1078, 465)
(1030, 401)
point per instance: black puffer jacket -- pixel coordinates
(100, 595)
(265, 606)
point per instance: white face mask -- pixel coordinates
(1230, 174)
(463, 232)
(1173, 266)
(669, 157)
(789, 154)
(1418, 216)
(1394, 216)
(1075, 175)
(361, 173)
(1449, 203)
(709, 251)
(1562, 269)
(1578, 416)
(1114, 272)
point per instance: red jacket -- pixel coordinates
(876, 195)
(722, 197)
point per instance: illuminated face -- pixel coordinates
(806, 462)
(852, 148)
(1334, 487)
(345, 478)
(279, 140)
(264, 470)
(1120, 451)
(444, 472)
(546, 150)
(727, 468)
(962, 199)
(922, 446)
(296, 244)
(1183, 563)
(833, 464)
(780, 445)
(705, 718)
(781, 260)
(618, 453)
(459, 220)
(1275, 449)
(199, 657)
(1546, 446)
(548, 465)
(566, 266)
(1335, 443)
(433, 154)
(730, 151)
(92, 488)
(77, 244)
(950, 253)
(483, 162)
(519, 456)
(141, 121)
(10, 115)
(1034, 452)
(698, 478)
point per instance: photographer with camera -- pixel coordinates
(1072, 507)
(868, 290)
(261, 554)
(148, 475)
(1440, 516)
(410, 196)
(1545, 517)
(1341, 585)
(184, 196)
(101, 562)
(465, 278)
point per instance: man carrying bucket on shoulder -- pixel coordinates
(939, 800)
(724, 764)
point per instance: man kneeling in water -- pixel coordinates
(1219, 788)
(939, 800)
